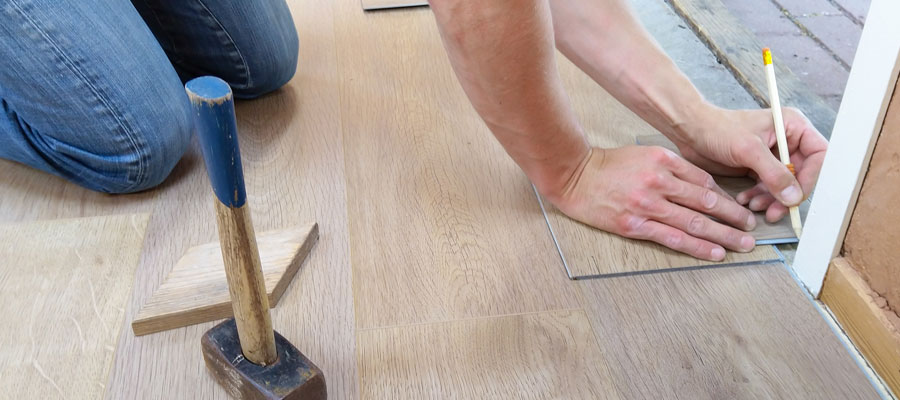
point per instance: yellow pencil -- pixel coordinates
(779, 130)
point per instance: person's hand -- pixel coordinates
(650, 193)
(743, 143)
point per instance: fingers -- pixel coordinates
(775, 212)
(743, 198)
(688, 172)
(701, 226)
(679, 241)
(761, 202)
(713, 204)
(808, 171)
(774, 175)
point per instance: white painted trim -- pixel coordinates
(856, 130)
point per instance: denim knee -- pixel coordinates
(157, 137)
(167, 140)
(270, 64)
(165, 135)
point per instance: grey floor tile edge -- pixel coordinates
(396, 6)
(573, 277)
(553, 234)
(681, 269)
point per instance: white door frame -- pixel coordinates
(856, 130)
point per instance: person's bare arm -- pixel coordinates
(503, 54)
(604, 39)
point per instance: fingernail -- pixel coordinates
(751, 222)
(791, 195)
(717, 253)
(747, 243)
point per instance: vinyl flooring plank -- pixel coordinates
(719, 333)
(443, 224)
(587, 251)
(293, 164)
(547, 355)
(63, 293)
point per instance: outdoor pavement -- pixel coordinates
(816, 39)
(711, 78)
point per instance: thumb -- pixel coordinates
(774, 175)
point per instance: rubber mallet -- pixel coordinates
(247, 357)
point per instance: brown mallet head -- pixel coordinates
(291, 376)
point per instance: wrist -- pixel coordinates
(557, 180)
(693, 122)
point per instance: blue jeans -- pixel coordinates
(91, 90)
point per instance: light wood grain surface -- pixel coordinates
(64, 285)
(591, 252)
(246, 285)
(293, 166)
(718, 333)
(443, 225)
(547, 355)
(436, 238)
(765, 233)
(29, 194)
(196, 289)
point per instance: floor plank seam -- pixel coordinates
(446, 321)
(553, 234)
(682, 269)
(395, 7)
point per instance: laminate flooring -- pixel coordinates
(441, 219)
(293, 164)
(718, 333)
(62, 303)
(434, 274)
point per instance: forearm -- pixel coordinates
(503, 55)
(605, 40)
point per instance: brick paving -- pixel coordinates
(815, 38)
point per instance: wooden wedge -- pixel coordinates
(196, 289)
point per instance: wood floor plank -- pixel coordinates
(293, 163)
(62, 297)
(719, 333)
(765, 233)
(443, 224)
(590, 252)
(548, 355)
(30, 195)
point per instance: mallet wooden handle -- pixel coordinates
(213, 106)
